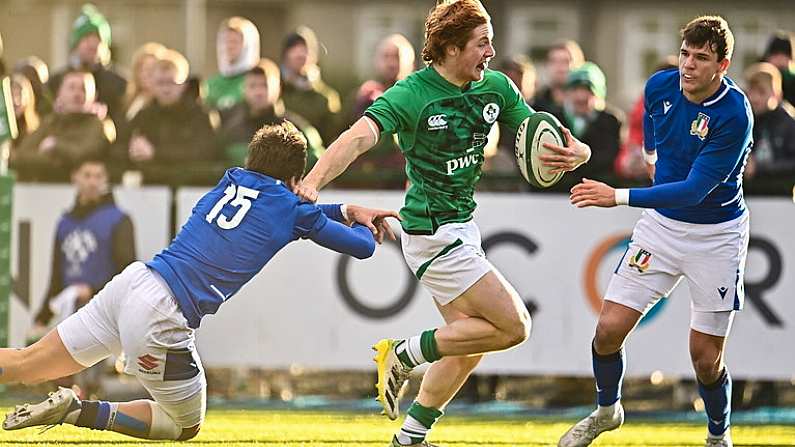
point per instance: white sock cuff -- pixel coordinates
(415, 350)
(162, 425)
(411, 428)
(414, 425)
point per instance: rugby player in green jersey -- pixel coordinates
(442, 115)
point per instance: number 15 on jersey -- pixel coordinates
(242, 199)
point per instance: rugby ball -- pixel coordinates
(533, 132)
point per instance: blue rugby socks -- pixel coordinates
(608, 371)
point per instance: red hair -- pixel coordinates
(451, 23)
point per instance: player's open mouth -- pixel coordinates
(687, 77)
(481, 66)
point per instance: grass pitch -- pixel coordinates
(278, 428)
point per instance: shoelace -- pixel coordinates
(47, 428)
(714, 442)
(51, 426)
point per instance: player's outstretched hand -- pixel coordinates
(569, 158)
(592, 193)
(374, 219)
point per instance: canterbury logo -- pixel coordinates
(436, 122)
(147, 362)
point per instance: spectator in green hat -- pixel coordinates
(590, 75)
(89, 45)
(593, 122)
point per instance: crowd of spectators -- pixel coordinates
(165, 124)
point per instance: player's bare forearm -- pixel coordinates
(340, 154)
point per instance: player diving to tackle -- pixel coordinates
(697, 132)
(150, 310)
(442, 115)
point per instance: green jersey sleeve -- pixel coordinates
(516, 109)
(392, 111)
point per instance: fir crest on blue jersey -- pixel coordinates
(700, 126)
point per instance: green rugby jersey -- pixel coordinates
(442, 130)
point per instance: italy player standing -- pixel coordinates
(697, 132)
(442, 115)
(150, 310)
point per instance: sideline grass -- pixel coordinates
(293, 429)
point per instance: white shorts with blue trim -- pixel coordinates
(663, 251)
(136, 315)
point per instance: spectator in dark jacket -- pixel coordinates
(779, 53)
(303, 90)
(592, 122)
(89, 43)
(140, 89)
(562, 57)
(261, 105)
(72, 132)
(771, 168)
(174, 129)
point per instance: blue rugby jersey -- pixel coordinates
(235, 229)
(702, 146)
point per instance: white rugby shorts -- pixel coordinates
(448, 262)
(663, 251)
(135, 314)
